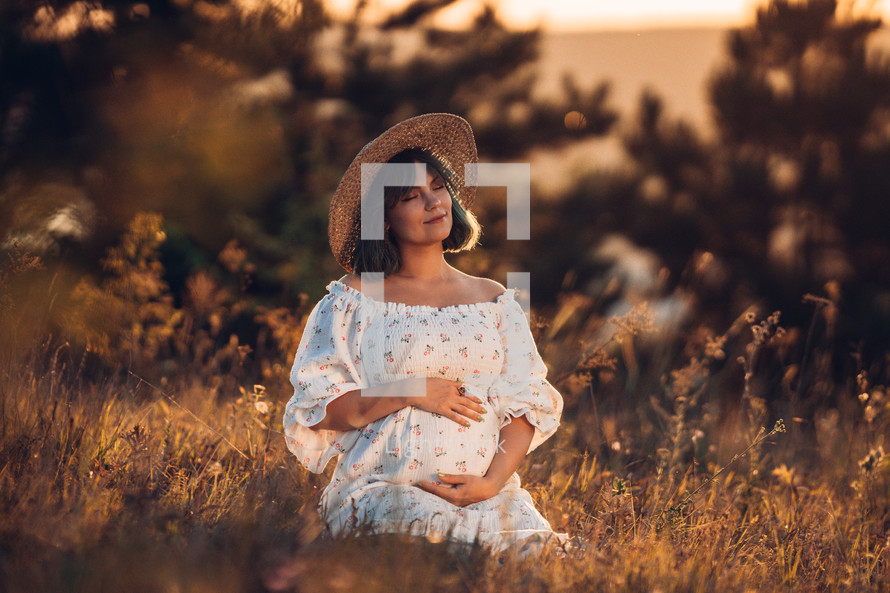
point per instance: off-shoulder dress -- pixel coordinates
(352, 341)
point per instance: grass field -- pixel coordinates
(152, 459)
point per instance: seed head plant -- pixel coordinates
(662, 471)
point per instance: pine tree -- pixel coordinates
(801, 110)
(236, 120)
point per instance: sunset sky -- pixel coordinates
(602, 14)
(611, 13)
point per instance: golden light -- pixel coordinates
(575, 120)
(585, 15)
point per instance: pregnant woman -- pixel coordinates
(423, 381)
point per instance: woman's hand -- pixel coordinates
(449, 399)
(461, 489)
(359, 407)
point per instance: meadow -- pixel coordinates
(166, 169)
(141, 449)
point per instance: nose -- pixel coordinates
(431, 198)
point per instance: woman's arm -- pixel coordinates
(513, 444)
(461, 489)
(360, 407)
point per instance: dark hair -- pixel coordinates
(383, 256)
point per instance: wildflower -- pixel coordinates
(862, 380)
(714, 348)
(640, 319)
(872, 460)
(759, 334)
(785, 475)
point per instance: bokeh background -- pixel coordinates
(710, 253)
(702, 169)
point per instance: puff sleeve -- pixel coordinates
(326, 366)
(522, 387)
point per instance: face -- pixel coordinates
(423, 215)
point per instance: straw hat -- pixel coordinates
(448, 137)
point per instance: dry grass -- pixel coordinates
(180, 481)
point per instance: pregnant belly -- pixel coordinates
(422, 444)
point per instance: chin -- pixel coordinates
(440, 234)
(446, 230)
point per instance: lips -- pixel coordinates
(436, 219)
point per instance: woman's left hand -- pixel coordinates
(461, 489)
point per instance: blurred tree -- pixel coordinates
(789, 198)
(236, 119)
(802, 111)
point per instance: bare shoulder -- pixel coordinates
(486, 289)
(352, 281)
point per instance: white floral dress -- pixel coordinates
(352, 341)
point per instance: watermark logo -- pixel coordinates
(396, 444)
(515, 177)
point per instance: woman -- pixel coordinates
(432, 396)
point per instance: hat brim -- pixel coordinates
(446, 136)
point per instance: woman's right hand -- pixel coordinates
(449, 399)
(359, 407)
